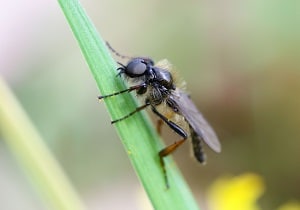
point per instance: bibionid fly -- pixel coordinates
(156, 83)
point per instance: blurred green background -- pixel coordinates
(241, 61)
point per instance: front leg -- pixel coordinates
(139, 89)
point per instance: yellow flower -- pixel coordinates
(236, 193)
(293, 205)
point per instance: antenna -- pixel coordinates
(116, 53)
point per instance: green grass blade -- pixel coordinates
(32, 154)
(137, 134)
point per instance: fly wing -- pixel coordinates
(196, 120)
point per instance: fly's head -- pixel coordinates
(136, 67)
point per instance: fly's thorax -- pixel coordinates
(163, 78)
(177, 79)
(155, 95)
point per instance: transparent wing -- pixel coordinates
(196, 120)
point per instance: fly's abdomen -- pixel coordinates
(197, 147)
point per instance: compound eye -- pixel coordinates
(136, 67)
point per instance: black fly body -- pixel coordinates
(156, 84)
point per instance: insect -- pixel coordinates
(156, 83)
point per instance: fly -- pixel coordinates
(156, 83)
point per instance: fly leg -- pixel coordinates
(171, 148)
(165, 152)
(138, 88)
(131, 113)
(160, 122)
